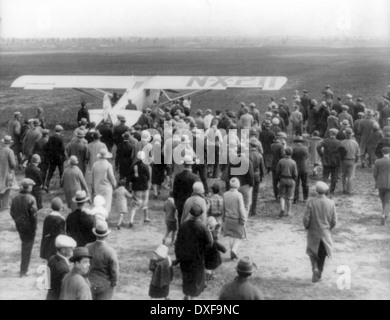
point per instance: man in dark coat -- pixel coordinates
(193, 239)
(278, 152)
(53, 226)
(322, 118)
(300, 156)
(79, 223)
(119, 130)
(41, 150)
(182, 186)
(124, 160)
(330, 151)
(83, 112)
(337, 106)
(107, 135)
(55, 154)
(364, 132)
(24, 212)
(34, 173)
(305, 103)
(267, 138)
(59, 265)
(241, 288)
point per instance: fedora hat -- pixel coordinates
(321, 187)
(298, 139)
(246, 265)
(7, 140)
(101, 229)
(80, 134)
(27, 182)
(254, 142)
(96, 135)
(145, 136)
(80, 197)
(79, 253)
(36, 158)
(104, 154)
(36, 123)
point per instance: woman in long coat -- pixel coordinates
(192, 241)
(234, 216)
(7, 175)
(73, 181)
(103, 179)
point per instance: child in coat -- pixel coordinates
(212, 255)
(161, 266)
(120, 195)
(170, 218)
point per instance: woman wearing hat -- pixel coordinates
(103, 178)
(192, 241)
(73, 181)
(234, 216)
(7, 174)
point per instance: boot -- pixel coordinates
(316, 273)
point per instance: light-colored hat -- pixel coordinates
(254, 142)
(345, 123)
(281, 135)
(198, 187)
(145, 136)
(333, 131)
(252, 105)
(17, 113)
(73, 160)
(45, 132)
(63, 241)
(101, 229)
(234, 183)
(104, 154)
(349, 132)
(344, 107)
(245, 265)
(80, 133)
(376, 125)
(58, 128)
(349, 96)
(321, 187)
(141, 155)
(157, 138)
(188, 159)
(276, 121)
(99, 201)
(269, 114)
(80, 197)
(83, 121)
(27, 182)
(7, 140)
(36, 158)
(212, 223)
(36, 123)
(162, 251)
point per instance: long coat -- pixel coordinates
(234, 214)
(75, 286)
(382, 173)
(319, 219)
(59, 267)
(124, 158)
(30, 138)
(182, 188)
(53, 225)
(73, 181)
(24, 212)
(7, 165)
(314, 142)
(93, 149)
(365, 129)
(192, 241)
(103, 181)
(78, 148)
(79, 225)
(194, 199)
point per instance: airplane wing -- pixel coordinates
(149, 82)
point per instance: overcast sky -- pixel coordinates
(167, 18)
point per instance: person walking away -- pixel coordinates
(192, 241)
(59, 265)
(286, 175)
(364, 132)
(278, 153)
(197, 197)
(15, 131)
(93, 150)
(41, 150)
(216, 203)
(104, 271)
(7, 173)
(241, 288)
(34, 173)
(329, 151)
(315, 159)
(103, 178)
(24, 213)
(140, 179)
(375, 137)
(161, 267)
(300, 154)
(382, 182)
(53, 226)
(79, 223)
(171, 220)
(350, 156)
(234, 217)
(75, 285)
(267, 138)
(258, 170)
(121, 195)
(73, 181)
(319, 220)
(56, 154)
(297, 121)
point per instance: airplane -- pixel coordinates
(141, 91)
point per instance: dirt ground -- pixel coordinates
(277, 246)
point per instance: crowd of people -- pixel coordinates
(111, 167)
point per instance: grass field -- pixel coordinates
(277, 246)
